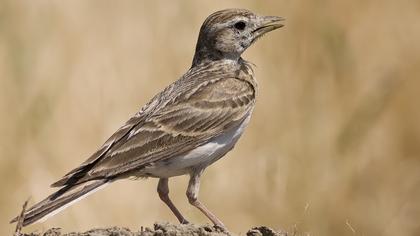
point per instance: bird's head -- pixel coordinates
(226, 34)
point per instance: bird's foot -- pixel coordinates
(222, 228)
(184, 222)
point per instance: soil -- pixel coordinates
(161, 229)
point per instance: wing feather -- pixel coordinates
(187, 114)
(179, 128)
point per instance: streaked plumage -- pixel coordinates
(183, 129)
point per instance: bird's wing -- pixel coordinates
(191, 121)
(181, 118)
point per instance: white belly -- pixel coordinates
(200, 157)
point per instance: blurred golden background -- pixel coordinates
(333, 147)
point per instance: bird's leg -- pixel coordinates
(163, 191)
(192, 194)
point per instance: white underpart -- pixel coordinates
(200, 157)
(69, 204)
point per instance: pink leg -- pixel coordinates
(163, 191)
(192, 194)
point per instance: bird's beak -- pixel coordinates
(267, 24)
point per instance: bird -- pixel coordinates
(186, 127)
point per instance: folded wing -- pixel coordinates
(176, 121)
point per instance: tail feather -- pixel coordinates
(60, 200)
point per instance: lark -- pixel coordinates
(185, 128)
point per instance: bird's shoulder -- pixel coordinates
(208, 80)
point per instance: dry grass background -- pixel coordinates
(333, 147)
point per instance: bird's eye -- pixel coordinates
(240, 25)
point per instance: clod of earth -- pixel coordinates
(162, 229)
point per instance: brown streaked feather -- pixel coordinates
(201, 105)
(225, 15)
(172, 137)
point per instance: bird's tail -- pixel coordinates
(60, 200)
